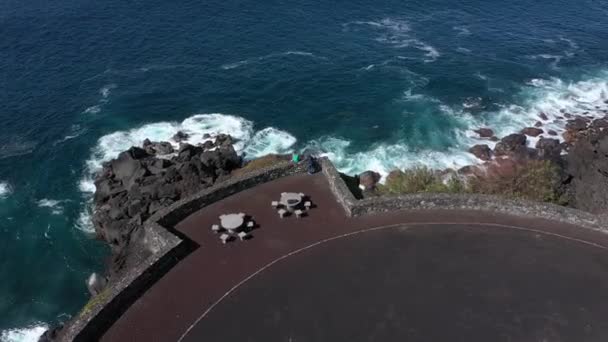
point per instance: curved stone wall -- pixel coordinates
(163, 246)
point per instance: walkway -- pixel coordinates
(485, 276)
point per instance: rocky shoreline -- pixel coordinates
(580, 157)
(145, 179)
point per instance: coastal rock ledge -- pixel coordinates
(142, 181)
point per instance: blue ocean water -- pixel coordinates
(373, 85)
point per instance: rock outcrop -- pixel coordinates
(141, 181)
(369, 179)
(483, 152)
(513, 145)
(587, 163)
(485, 132)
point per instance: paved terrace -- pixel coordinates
(410, 275)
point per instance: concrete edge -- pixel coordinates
(165, 246)
(161, 248)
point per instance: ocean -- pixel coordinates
(372, 84)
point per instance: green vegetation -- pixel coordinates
(419, 180)
(261, 163)
(99, 299)
(533, 180)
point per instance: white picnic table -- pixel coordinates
(291, 199)
(232, 222)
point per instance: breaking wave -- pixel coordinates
(29, 334)
(5, 190)
(550, 96)
(55, 206)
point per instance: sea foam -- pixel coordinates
(5, 190)
(398, 34)
(234, 65)
(28, 334)
(199, 127)
(55, 206)
(550, 96)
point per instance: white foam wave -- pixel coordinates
(105, 90)
(481, 76)
(552, 97)
(269, 140)
(200, 127)
(555, 59)
(386, 157)
(5, 190)
(238, 64)
(463, 50)
(56, 206)
(462, 30)
(398, 34)
(93, 109)
(28, 334)
(84, 222)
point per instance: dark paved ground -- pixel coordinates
(426, 283)
(451, 276)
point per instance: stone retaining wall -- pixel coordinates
(160, 249)
(521, 208)
(163, 246)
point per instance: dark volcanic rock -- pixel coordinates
(485, 132)
(543, 116)
(137, 184)
(369, 179)
(160, 148)
(577, 124)
(538, 124)
(588, 167)
(483, 152)
(552, 132)
(549, 149)
(180, 136)
(532, 131)
(513, 145)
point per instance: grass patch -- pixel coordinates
(95, 301)
(535, 180)
(261, 163)
(420, 180)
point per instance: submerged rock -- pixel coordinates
(485, 132)
(532, 131)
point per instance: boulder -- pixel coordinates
(587, 163)
(549, 149)
(532, 131)
(577, 124)
(513, 144)
(484, 132)
(538, 124)
(125, 165)
(543, 116)
(483, 152)
(180, 136)
(369, 179)
(552, 132)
